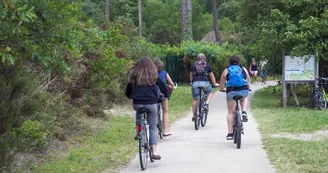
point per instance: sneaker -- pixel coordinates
(244, 116)
(205, 107)
(230, 136)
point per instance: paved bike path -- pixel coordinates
(207, 150)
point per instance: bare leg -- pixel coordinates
(243, 104)
(165, 105)
(209, 96)
(231, 107)
(154, 149)
(193, 104)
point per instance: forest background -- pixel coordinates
(67, 60)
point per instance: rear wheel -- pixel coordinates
(204, 114)
(197, 116)
(238, 131)
(234, 132)
(160, 124)
(143, 149)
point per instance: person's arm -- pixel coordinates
(128, 90)
(169, 80)
(223, 79)
(190, 76)
(212, 77)
(247, 77)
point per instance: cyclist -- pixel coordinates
(142, 89)
(199, 73)
(164, 76)
(237, 81)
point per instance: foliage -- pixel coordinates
(31, 135)
(217, 56)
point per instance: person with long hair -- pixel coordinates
(164, 76)
(236, 79)
(143, 90)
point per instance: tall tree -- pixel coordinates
(188, 20)
(140, 17)
(215, 22)
(183, 16)
(107, 10)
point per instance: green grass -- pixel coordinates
(294, 156)
(290, 155)
(110, 148)
(113, 146)
(274, 119)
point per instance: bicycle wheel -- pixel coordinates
(234, 129)
(238, 131)
(197, 118)
(160, 125)
(143, 148)
(320, 99)
(204, 113)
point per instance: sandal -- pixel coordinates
(157, 157)
(165, 135)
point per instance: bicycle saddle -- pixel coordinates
(143, 110)
(237, 97)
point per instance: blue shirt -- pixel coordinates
(162, 75)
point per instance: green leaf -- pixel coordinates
(11, 60)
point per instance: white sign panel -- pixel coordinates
(296, 69)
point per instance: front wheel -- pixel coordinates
(320, 99)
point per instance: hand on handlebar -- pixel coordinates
(175, 85)
(216, 85)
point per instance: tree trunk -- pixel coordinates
(188, 23)
(140, 17)
(215, 23)
(183, 18)
(107, 11)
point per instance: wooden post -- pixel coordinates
(316, 68)
(284, 88)
(294, 94)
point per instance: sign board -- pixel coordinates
(297, 69)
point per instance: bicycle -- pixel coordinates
(200, 113)
(160, 122)
(320, 97)
(237, 128)
(145, 149)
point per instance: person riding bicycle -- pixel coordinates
(143, 90)
(237, 82)
(199, 73)
(164, 76)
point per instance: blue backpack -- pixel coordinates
(236, 76)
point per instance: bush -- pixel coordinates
(217, 56)
(31, 135)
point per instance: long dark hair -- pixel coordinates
(144, 73)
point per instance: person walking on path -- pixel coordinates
(200, 71)
(264, 71)
(253, 68)
(164, 76)
(236, 79)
